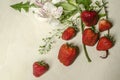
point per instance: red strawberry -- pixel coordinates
(39, 68)
(104, 25)
(90, 18)
(69, 33)
(90, 37)
(67, 54)
(105, 43)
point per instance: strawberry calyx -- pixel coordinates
(43, 63)
(94, 29)
(111, 38)
(70, 45)
(75, 27)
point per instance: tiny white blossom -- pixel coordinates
(57, 1)
(57, 12)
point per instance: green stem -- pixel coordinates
(82, 26)
(93, 28)
(85, 49)
(106, 12)
(104, 3)
(86, 53)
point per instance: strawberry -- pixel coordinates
(90, 37)
(105, 43)
(104, 25)
(68, 33)
(67, 54)
(90, 18)
(39, 68)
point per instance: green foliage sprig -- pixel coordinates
(22, 5)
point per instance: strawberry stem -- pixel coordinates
(104, 4)
(82, 26)
(105, 8)
(86, 53)
(106, 55)
(85, 49)
(106, 12)
(93, 28)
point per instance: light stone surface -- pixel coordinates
(20, 37)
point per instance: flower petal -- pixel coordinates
(57, 12)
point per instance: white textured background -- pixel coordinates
(20, 37)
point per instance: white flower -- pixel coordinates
(48, 6)
(52, 10)
(57, 12)
(40, 12)
(48, 10)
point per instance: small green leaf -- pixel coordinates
(67, 15)
(66, 6)
(102, 15)
(86, 3)
(22, 5)
(73, 2)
